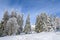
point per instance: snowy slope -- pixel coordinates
(38, 36)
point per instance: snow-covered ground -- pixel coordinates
(36, 36)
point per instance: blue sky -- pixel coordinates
(33, 7)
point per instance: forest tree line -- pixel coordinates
(13, 24)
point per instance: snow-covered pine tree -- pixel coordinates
(12, 25)
(39, 24)
(27, 28)
(49, 27)
(57, 23)
(53, 25)
(5, 19)
(44, 20)
(20, 23)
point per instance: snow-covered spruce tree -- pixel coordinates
(27, 28)
(5, 19)
(53, 25)
(49, 27)
(12, 25)
(44, 19)
(41, 21)
(39, 24)
(20, 23)
(57, 23)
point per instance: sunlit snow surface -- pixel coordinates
(36, 36)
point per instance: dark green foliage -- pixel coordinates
(1, 28)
